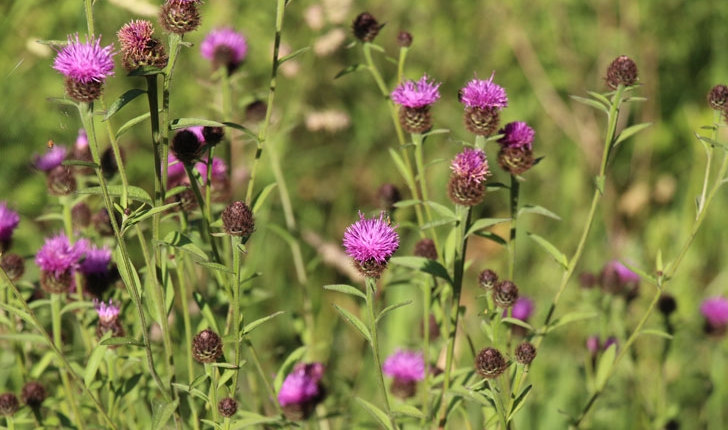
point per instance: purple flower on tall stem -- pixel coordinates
(224, 47)
(86, 65)
(415, 99)
(219, 170)
(522, 309)
(405, 365)
(51, 159)
(81, 139)
(715, 311)
(371, 243)
(108, 314)
(517, 134)
(58, 260)
(301, 390)
(413, 94)
(483, 94)
(471, 164)
(96, 261)
(9, 220)
(139, 48)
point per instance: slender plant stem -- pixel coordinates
(89, 11)
(213, 375)
(515, 191)
(206, 215)
(264, 377)
(371, 286)
(57, 329)
(427, 287)
(235, 289)
(418, 142)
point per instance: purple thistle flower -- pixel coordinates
(715, 311)
(522, 309)
(197, 131)
(405, 365)
(107, 313)
(97, 261)
(623, 273)
(471, 164)
(58, 255)
(135, 35)
(412, 94)
(371, 239)
(301, 385)
(175, 171)
(219, 170)
(225, 46)
(9, 220)
(51, 159)
(593, 344)
(517, 134)
(85, 62)
(81, 140)
(484, 94)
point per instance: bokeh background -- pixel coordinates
(332, 138)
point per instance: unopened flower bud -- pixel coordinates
(489, 363)
(8, 404)
(238, 219)
(227, 407)
(186, 146)
(525, 353)
(622, 71)
(180, 16)
(426, 248)
(207, 346)
(487, 279)
(366, 27)
(13, 265)
(505, 294)
(404, 39)
(718, 97)
(33, 394)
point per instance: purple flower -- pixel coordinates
(58, 255)
(82, 139)
(85, 62)
(715, 311)
(219, 170)
(412, 94)
(593, 344)
(96, 261)
(471, 164)
(522, 309)
(107, 313)
(611, 340)
(623, 273)
(175, 171)
(371, 239)
(9, 219)
(301, 385)
(51, 159)
(226, 46)
(405, 366)
(484, 94)
(517, 134)
(135, 35)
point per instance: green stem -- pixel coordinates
(427, 287)
(212, 373)
(57, 329)
(371, 286)
(206, 233)
(235, 288)
(499, 406)
(515, 190)
(89, 11)
(264, 377)
(418, 142)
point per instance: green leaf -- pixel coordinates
(569, 318)
(211, 423)
(519, 402)
(146, 71)
(438, 223)
(131, 123)
(122, 341)
(492, 236)
(403, 170)
(24, 337)
(178, 123)
(407, 203)
(356, 322)
(215, 266)
(62, 101)
(75, 306)
(122, 101)
(206, 311)
(162, 413)
(242, 128)
(180, 241)
(93, 362)
(600, 97)
(424, 265)
(293, 55)
(350, 69)
(642, 274)
(658, 261)
(441, 209)
(390, 308)
(484, 223)
(655, 332)
(141, 216)
(80, 163)
(407, 410)
(376, 413)
(604, 368)
(551, 249)
(287, 365)
(346, 289)
(134, 193)
(599, 181)
(250, 419)
(520, 323)
(253, 325)
(540, 210)
(259, 199)
(593, 103)
(711, 142)
(193, 391)
(630, 131)
(477, 396)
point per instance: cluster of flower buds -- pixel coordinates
(33, 394)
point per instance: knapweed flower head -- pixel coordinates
(517, 134)
(525, 353)
(8, 404)
(371, 243)
(224, 47)
(366, 27)
(622, 71)
(58, 255)
(13, 265)
(490, 363)
(505, 294)
(180, 16)
(238, 220)
(301, 390)
(187, 144)
(415, 99)
(218, 170)
(81, 139)
(107, 313)
(406, 367)
(522, 309)
(516, 153)
(51, 159)
(98, 270)
(139, 48)
(484, 94)
(207, 346)
(33, 394)
(715, 312)
(413, 94)
(466, 186)
(616, 278)
(9, 220)
(86, 65)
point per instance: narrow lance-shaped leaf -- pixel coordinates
(551, 249)
(376, 413)
(630, 131)
(356, 322)
(346, 289)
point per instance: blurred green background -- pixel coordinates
(332, 136)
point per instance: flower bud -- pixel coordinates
(366, 27)
(238, 220)
(505, 294)
(525, 353)
(207, 346)
(622, 71)
(489, 363)
(33, 394)
(227, 407)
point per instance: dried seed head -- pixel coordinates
(718, 97)
(622, 71)
(33, 394)
(489, 363)
(487, 279)
(8, 404)
(207, 346)
(505, 294)
(238, 219)
(426, 248)
(366, 27)
(525, 353)
(227, 407)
